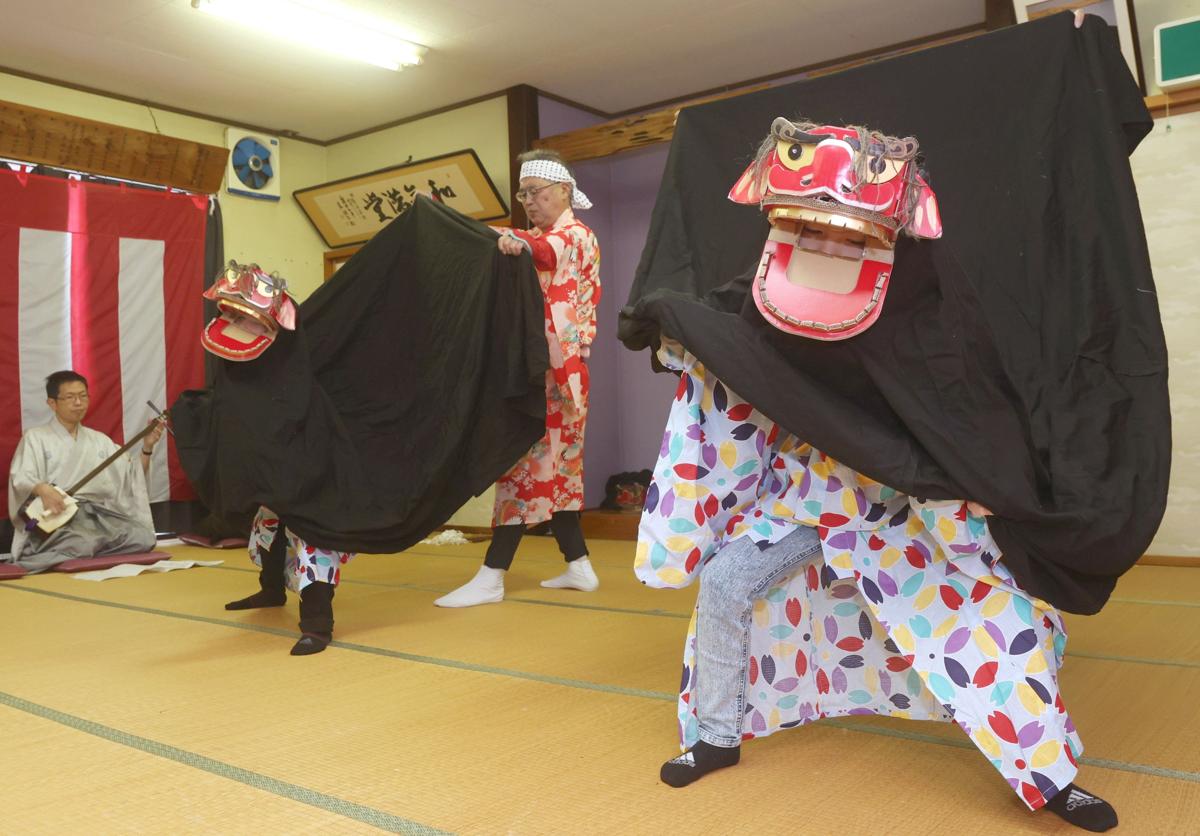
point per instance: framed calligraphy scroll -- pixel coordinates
(352, 210)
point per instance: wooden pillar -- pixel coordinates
(522, 131)
(997, 14)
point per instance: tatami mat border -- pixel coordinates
(659, 613)
(348, 809)
(1103, 763)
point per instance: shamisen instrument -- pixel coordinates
(40, 521)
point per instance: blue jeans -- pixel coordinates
(738, 575)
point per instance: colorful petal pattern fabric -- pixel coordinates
(908, 610)
(305, 564)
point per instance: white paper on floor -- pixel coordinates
(449, 537)
(128, 570)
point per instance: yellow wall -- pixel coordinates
(275, 235)
(482, 126)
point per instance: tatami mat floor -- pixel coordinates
(141, 706)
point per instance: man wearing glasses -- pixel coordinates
(547, 483)
(113, 514)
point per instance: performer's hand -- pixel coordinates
(152, 438)
(52, 500)
(509, 245)
(977, 510)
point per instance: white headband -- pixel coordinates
(555, 172)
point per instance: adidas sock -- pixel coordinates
(1083, 809)
(697, 762)
(311, 643)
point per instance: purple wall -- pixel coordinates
(628, 403)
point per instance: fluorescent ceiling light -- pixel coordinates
(321, 25)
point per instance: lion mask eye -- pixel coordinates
(882, 169)
(795, 155)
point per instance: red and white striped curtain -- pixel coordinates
(105, 280)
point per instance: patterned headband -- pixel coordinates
(555, 172)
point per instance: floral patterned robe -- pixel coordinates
(907, 611)
(549, 477)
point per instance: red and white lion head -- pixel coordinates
(253, 307)
(836, 198)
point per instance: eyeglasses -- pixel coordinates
(523, 195)
(83, 398)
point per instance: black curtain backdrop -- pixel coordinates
(1019, 360)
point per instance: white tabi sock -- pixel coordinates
(487, 587)
(579, 575)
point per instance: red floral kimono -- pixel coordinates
(549, 477)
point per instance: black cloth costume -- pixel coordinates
(414, 379)
(1019, 361)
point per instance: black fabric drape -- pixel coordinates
(1019, 360)
(414, 379)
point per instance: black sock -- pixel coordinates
(697, 762)
(262, 598)
(311, 643)
(1082, 809)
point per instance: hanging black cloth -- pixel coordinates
(1019, 361)
(414, 379)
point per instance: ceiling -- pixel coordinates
(612, 56)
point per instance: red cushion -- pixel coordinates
(11, 571)
(88, 564)
(205, 542)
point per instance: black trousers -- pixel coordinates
(563, 524)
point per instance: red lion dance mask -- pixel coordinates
(253, 307)
(836, 198)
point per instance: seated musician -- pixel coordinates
(113, 514)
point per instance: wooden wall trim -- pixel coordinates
(1169, 560)
(414, 118)
(625, 134)
(149, 105)
(1179, 102)
(33, 135)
